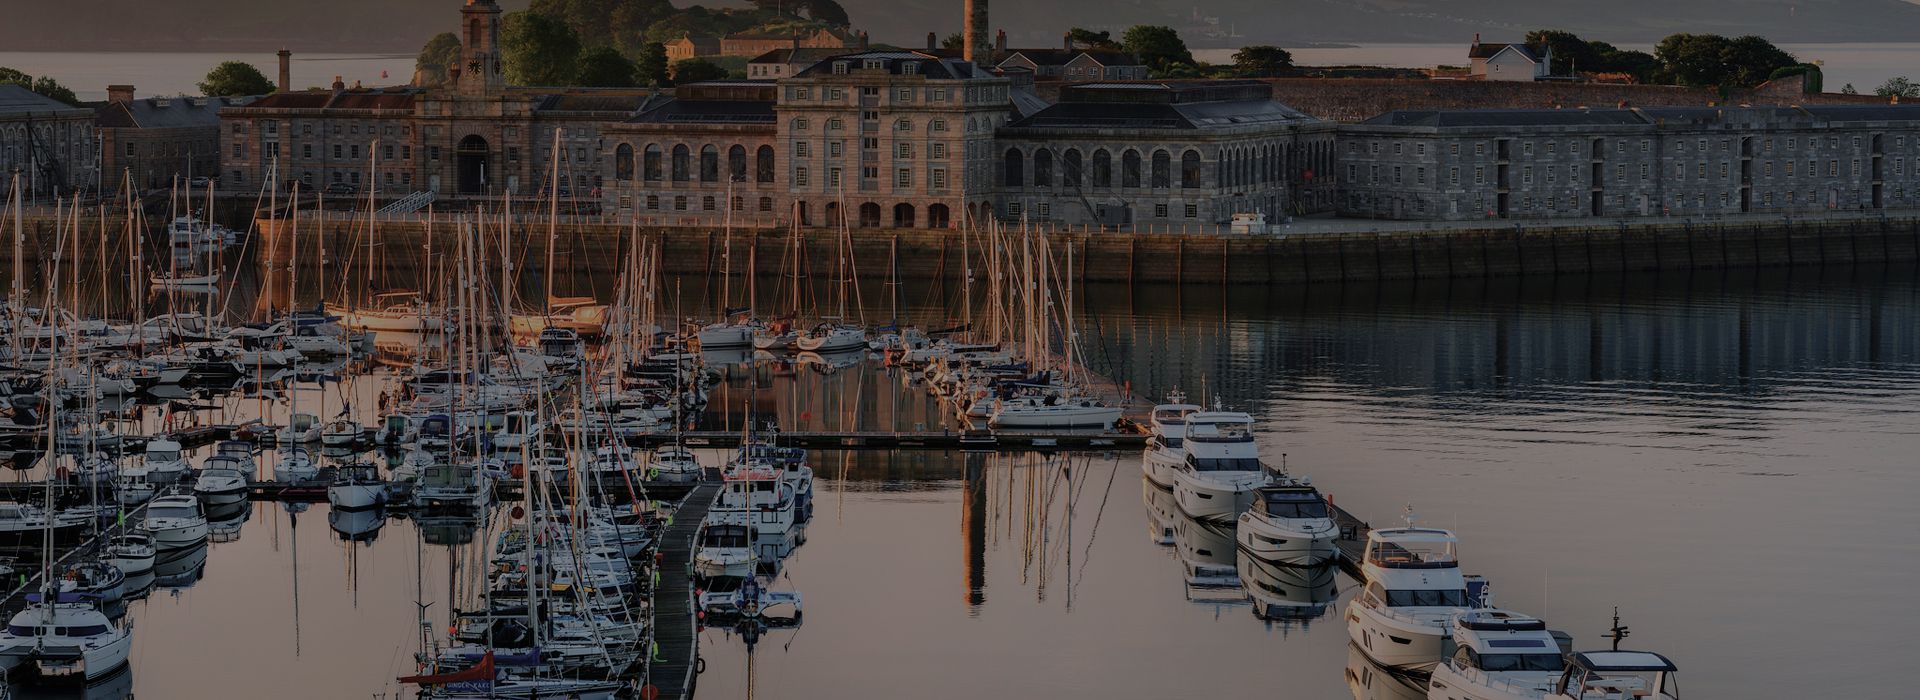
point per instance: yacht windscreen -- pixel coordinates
(1428, 598)
(1224, 464)
(1295, 504)
(1520, 662)
(170, 512)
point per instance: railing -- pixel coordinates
(408, 204)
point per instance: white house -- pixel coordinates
(1508, 61)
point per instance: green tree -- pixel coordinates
(1750, 59)
(954, 42)
(233, 79)
(1089, 39)
(1898, 87)
(603, 66)
(1157, 47)
(1639, 64)
(1849, 89)
(44, 86)
(1707, 60)
(538, 50)
(1262, 62)
(827, 11)
(1570, 53)
(694, 70)
(440, 54)
(651, 68)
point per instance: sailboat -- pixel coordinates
(582, 315)
(835, 335)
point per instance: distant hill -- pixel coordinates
(403, 25)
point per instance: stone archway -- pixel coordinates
(470, 161)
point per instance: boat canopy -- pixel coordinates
(1292, 502)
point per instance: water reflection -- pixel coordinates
(1289, 595)
(1370, 681)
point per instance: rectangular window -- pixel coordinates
(903, 150)
(938, 179)
(1453, 176)
(833, 177)
(833, 149)
(903, 178)
(939, 150)
(802, 149)
(1160, 211)
(706, 203)
(1479, 175)
(800, 176)
(1013, 209)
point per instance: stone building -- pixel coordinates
(897, 138)
(1075, 65)
(704, 156)
(756, 43)
(786, 63)
(153, 140)
(1668, 161)
(1163, 153)
(690, 46)
(51, 145)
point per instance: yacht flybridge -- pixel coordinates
(1215, 481)
(1166, 448)
(1412, 589)
(1498, 655)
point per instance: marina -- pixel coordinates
(625, 502)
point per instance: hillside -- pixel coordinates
(403, 25)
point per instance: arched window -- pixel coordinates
(737, 163)
(1070, 168)
(937, 216)
(1190, 169)
(1015, 170)
(763, 164)
(903, 215)
(1162, 169)
(623, 162)
(709, 163)
(682, 163)
(650, 164)
(1043, 168)
(1130, 168)
(869, 215)
(1102, 168)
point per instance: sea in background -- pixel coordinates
(1866, 66)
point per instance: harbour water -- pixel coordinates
(1724, 456)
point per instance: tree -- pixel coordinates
(1849, 89)
(538, 50)
(234, 79)
(1708, 60)
(1157, 47)
(651, 67)
(954, 42)
(1639, 64)
(1898, 87)
(43, 86)
(440, 54)
(1089, 39)
(1570, 53)
(693, 70)
(603, 66)
(1262, 62)
(827, 11)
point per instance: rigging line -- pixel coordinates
(1086, 554)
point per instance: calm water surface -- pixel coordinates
(1725, 456)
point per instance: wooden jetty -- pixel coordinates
(1001, 440)
(676, 656)
(1352, 542)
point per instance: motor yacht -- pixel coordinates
(1412, 588)
(301, 428)
(133, 553)
(1605, 675)
(1215, 481)
(1498, 655)
(175, 522)
(673, 463)
(725, 547)
(356, 487)
(1289, 524)
(221, 481)
(64, 638)
(1166, 448)
(293, 465)
(521, 428)
(164, 463)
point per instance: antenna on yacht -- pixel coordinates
(1407, 515)
(1618, 631)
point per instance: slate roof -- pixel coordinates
(18, 100)
(1061, 57)
(1185, 105)
(934, 67)
(630, 102)
(166, 112)
(1487, 50)
(1865, 113)
(796, 55)
(1460, 118)
(401, 98)
(719, 102)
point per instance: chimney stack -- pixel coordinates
(1066, 41)
(338, 84)
(933, 41)
(119, 94)
(1000, 43)
(976, 49)
(1476, 38)
(286, 70)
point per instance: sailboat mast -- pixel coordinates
(553, 218)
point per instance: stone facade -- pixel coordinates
(151, 141)
(1555, 164)
(52, 146)
(705, 157)
(1163, 154)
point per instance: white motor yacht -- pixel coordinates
(341, 432)
(1166, 449)
(1412, 589)
(726, 547)
(356, 487)
(1216, 480)
(164, 463)
(133, 553)
(303, 427)
(673, 463)
(1289, 524)
(827, 337)
(1606, 675)
(221, 481)
(176, 522)
(65, 639)
(1498, 655)
(134, 486)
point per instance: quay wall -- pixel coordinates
(1449, 252)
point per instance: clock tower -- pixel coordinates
(480, 69)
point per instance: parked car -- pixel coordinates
(202, 181)
(341, 188)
